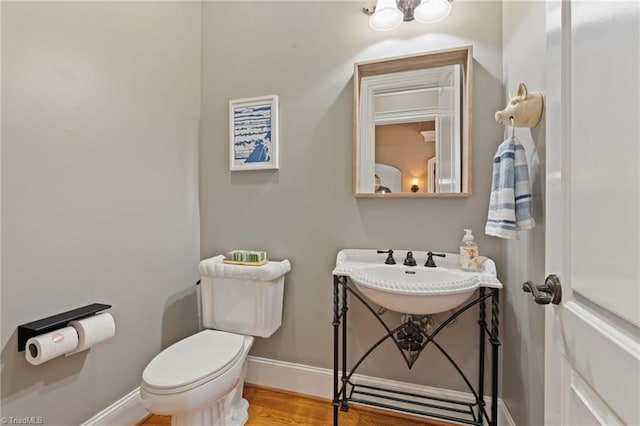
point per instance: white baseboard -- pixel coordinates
(288, 376)
(504, 416)
(128, 410)
(292, 377)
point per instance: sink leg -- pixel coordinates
(345, 308)
(495, 344)
(482, 323)
(336, 330)
(339, 317)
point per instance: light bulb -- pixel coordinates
(414, 186)
(430, 11)
(386, 17)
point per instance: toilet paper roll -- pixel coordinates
(93, 330)
(51, 345)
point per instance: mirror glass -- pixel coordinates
(412, 125)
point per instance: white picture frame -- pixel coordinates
(253, 134)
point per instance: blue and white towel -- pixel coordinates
(510, 201)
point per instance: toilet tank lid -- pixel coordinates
(268, 272)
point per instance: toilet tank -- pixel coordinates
(242, 299)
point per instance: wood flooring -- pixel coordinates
(273, 407)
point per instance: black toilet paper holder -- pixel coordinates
(54, 322)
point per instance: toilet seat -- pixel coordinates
(192, 362)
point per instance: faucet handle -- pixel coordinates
(390, 260)
(430, 263)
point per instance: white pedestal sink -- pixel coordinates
(413, 289)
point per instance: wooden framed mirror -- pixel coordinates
(413, 113)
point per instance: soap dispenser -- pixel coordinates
(469, 252)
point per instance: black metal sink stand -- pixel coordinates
(411, 339)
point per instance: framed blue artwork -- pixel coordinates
(253, 133)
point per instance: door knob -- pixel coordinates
(549, 292)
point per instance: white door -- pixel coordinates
(592, 212)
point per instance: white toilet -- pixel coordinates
(199, 380)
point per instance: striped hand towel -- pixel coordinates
(510, 200)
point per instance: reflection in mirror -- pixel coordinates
(388, 179)
(413, 116)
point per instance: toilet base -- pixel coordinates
(215, 415)
(232, 410)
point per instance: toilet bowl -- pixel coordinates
(199, 380)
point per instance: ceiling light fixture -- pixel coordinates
(389, 14)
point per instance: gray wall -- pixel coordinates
(304, 52)
(100, 105)
(99, 114)
(524, 40)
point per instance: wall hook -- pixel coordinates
(523, 110)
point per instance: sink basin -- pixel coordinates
(413, 289)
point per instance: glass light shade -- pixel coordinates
(430, 11)
(386, 17)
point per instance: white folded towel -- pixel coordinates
(510, 200)
(267, 272)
